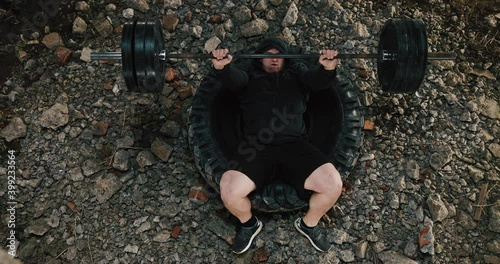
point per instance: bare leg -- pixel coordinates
(234, 189)
(326, 183)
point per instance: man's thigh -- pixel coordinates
(298, 160)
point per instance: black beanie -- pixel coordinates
(271, 43)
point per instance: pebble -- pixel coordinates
(161, 149)
(14, 130)
(291, 16)
(170, 22)
(55, 117)
(437, 208)
(139, 5)
(79, 25)
(82, 6)
(128, 13)
(52, 40)
(393, 257)
(255, 27)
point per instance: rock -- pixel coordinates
(100, 128)
(360, 249)
(162, 236)
(169, 76)
(55, 117)
(125, 142)
(106, 187)
(63, 55)
(197, 194)
(128, 13)
(426, 237)
(172, 4)
(161, 149)
(76, 174)
(79, 26)
(400, 184)
(413, 170)
(494, 246)
(465, 220)
(346, 255)
(437, 208)
(291, 16)
(261, 5)
(281, 236)
(120, 160)
(185, 91)
(85, 54)
(90, 167)
(254, 28)
(488, 107)
(6, 258)
(170, 22)
(212, 44)
(411, 248)
(393, 257)
(110, 7)
(439, 159)
(360, 30)
(494, 148)
(196, 31)
(491, 259)
(143, 227)
(483, 73)
(38, 227)
(82, 6)
(131, 249)
(275, 2)
(145, 158)
(171, 128)
(139, 5)
(339, 236)
(242, 15)
(222, 230)
(494, 224)
(475, 173)
(103, 27)
(14, 130)
(52, 40)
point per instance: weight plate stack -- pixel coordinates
(128, 64)
(386, 69)
(154, 45)
(408, 39)
(140, 56)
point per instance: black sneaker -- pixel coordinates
(245, 236)
(315, 235)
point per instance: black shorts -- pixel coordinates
(290, 163)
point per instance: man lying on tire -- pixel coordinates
(273, 101)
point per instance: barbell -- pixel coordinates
(401, 59)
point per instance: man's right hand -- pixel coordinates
(220, 60)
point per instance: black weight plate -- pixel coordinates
(128, 64)
(140, 55)
(154, 45)
(418, 54)
(386, 69)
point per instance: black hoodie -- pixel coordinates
(273, 104)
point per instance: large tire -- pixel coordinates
(334, 125)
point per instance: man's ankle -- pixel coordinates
(251, 222)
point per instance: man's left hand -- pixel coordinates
(327, 59)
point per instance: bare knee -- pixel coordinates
(327, 180)
(234, 185)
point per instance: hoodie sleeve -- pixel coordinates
(315, 79)
(232, 78)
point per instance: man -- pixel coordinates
(273, 101)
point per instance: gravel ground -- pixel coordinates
(106, 176)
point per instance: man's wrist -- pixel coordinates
(328, 69)
(217, 68)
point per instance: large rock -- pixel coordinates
(495, 218)
(106, 187)
(161, 149)
(437, 208)
(56, 116)
(52, 40)
(393, 257)
(291, 16)
(14, 130)
(254, 28)
(79, 26)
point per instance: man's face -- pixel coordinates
(272, 64)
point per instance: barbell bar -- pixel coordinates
(165, 56)
(401, 59)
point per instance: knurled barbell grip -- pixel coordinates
(387, 56)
